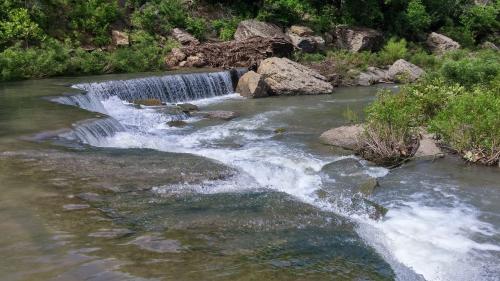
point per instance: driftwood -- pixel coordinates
(238, 53)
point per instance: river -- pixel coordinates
(94, 187)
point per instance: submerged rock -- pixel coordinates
(286, 77)
(405, 71)
(177, 123)
(188, 107)
(440, 44)
(345, 136)
(221, 114)
(251, 28)
(252, 85)
(71, 207)
(148, 102)
(357, 39)
(111, 233)
(155, 243)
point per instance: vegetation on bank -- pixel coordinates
(459, 101)
(42, 38)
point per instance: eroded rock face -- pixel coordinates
(306, 43)
(250, 28)
(345, 136)
(119, 38)
(184, 37)
(301, 30)
(439, 44)
(357, 39)
(285, 77)
(372, 75)
(252, 85)
(402, 70)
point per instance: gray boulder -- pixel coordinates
(357, 39)
(252, 85)
(440, 44)
(306, 43)
(427, 147)
(251, 28)
(286, 77)
(372, 75)
(221, 114)
(402, 70)
(345, 136)
(184, 37)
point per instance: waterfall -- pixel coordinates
(168, 89)
(94, 131)
(87, 101)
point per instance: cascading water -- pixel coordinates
(405, 238)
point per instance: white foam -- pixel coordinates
(415, 238)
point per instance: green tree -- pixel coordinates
(19, 26)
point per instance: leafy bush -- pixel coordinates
(284, 12)
(19, 26)
(481, 20)
(417, 17)
(160, 16)
(93, 18)
(469, 71)
(308, 57)
(470, 125)
(48, 60)
(423, 59)
(196, 26)
(226, 28)
(393, 50)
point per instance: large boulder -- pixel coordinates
(250, 28)
(286, 77)
(345, 136)
(175, 57)
(402, 70)
(119, 38)
(427, 146)
(184, 37)
(357, 39)
(372, 75)
(439, 44)
(305, 42)
(252, 85)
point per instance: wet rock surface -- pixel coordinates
(157, 244)
(344, 136)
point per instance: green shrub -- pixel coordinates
(481, 69)
(283, 12)
(470, 125)
(226, 28)
(460, 34)
(196, 26)
(160, 16)
(308, 57)
(423, 59)
(392, 51)
(19, 26)
(481, 20)
(417, 17)
(93, 18)
(47, 60)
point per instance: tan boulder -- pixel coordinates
(119, 38)
(427, 147)
(286, 77)
(251, 28)
(252, 85)
(301, 30)
(345, 136)
(402, 70)
(438, 43)
(357, 39)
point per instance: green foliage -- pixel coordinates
(46, 60)
(196, 26)
(480, 69)
(308, 57)
(417, 16)
(93, 17)
(423, 59)
(393, 50)
(481, 20)
(226, 28)
(160, 16)
(284, 12)
(18, 25)
(470, 125)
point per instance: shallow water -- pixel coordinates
(226, 200)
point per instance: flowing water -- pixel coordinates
(122, 195)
